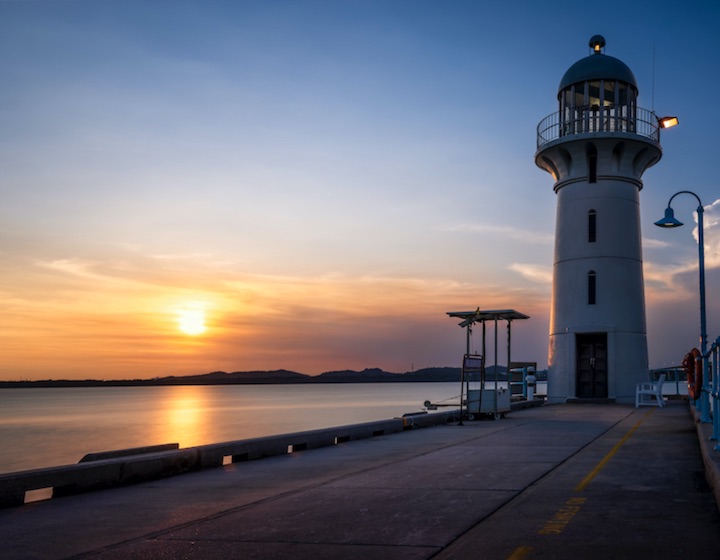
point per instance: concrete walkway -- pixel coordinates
(564, 481)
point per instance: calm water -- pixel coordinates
(44, 427)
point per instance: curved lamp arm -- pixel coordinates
(669, 221)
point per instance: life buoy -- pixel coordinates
(692, 364)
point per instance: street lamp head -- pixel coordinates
(669, 221)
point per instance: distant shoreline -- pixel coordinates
(275, 377)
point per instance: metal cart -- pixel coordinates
(476, 397)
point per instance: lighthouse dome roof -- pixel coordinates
(597, 66)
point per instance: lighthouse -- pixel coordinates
(596, 147)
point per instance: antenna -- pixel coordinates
(653, 79)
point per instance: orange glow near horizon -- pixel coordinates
(140, 322)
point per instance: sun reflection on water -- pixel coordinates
(182, 416)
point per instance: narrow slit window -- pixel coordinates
(592, 287)
(592, 164)
(592, 226)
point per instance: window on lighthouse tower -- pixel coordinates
(591, 287)
(592, 163)
(592, 226)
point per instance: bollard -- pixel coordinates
(531, 380)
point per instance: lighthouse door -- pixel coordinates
(592, 375)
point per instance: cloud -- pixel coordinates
(711, 223)
(73, 267)
(666, 280)
(533, 272)
(654, 243)
(508, 232)
(114, 315)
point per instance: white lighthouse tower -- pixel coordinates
(596, 147)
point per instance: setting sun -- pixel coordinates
(192, 321)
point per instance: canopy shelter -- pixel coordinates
(469, 318)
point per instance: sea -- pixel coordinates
(44, 427)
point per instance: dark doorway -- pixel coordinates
(592, 374)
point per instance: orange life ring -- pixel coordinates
(692, 364)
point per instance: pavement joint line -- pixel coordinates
(610, 454)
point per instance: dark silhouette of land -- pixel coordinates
(281, 376)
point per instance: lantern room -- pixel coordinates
(598, 94)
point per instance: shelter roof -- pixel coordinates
(478, 316)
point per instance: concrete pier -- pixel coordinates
(562, 481)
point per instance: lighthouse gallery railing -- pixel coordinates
(558, 125)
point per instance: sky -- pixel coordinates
(210, 185)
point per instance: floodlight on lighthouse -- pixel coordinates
(668, 122)
(669, 221)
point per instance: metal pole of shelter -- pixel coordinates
(467, 377)
(468, 333)
(484, 353)
(509, 335)
(496, 368)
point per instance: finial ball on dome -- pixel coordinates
(597, 42)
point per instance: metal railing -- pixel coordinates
(711, 388)
(557, 125)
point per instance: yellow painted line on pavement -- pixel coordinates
(572, 506)
(605, 460)
(564, 515)
(557, 523)
(519, 553)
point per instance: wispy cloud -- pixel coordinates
(711, 222)
(533, 272)
(117, 314)
(508, 232)
(668, 279)
(654, 243)
(73, 267)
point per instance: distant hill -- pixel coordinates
(237, 377)
(280, 376)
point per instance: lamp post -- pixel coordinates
(669, 221)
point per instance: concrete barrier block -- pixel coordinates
(158, 465)
(129, 452)
(86, 478)
(64, 480)
(429, 420)
(11, 496)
